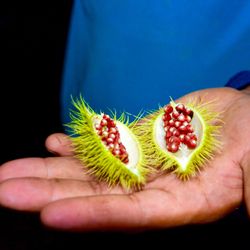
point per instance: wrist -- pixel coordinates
(246, 90)
(245, 164)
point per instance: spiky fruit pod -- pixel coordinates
(107, 146)
(180, 137)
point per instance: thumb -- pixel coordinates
(59, 144)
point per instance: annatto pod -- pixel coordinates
(180, 137)
(107, 146)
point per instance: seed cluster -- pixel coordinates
(177, 127)
(110, 136)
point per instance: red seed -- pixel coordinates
(182, 137)
(183, 129)
(171, 122)
(180, 107)
(166, 128)
(175, 114)
(176, 133)
(125, 160)
(111, 135)
(113, 130)
(185, 123)
(173, 147)
(111, 146)
(123, 150)
(189, 128)
(116, 152)
(106, 117)
(189, 112)
(103, 122)
(188, 119)
(168, 109)
(112, 123)
(174, 139)
(105, 134)
(192, 144)
(181, 118)
(172, 129)
(177, 124)
(97, 127)
(110, 140)
(194, 137)
(165, 124)
(187, 139)
(166, 117)
(168, 134)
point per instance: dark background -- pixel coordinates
(33, 38)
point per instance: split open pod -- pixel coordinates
(180, 137)
(107, 146)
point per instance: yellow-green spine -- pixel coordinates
(94, 155)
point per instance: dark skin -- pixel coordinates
(69, 199)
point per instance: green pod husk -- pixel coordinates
(94, 155)
(186, 162)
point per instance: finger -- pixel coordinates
(138, 211)
(32, 194)
(52, 167)
(59, 144)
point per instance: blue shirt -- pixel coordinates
(132, 55)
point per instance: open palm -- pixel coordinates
(70, 199)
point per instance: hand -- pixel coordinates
(68, 199)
